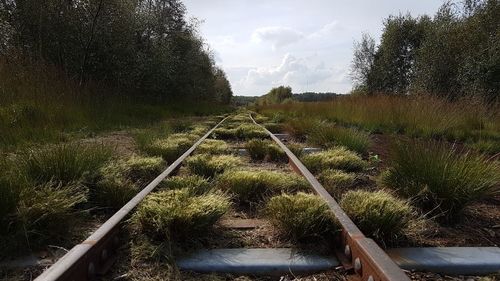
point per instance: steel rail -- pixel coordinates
(367, 259)
(95, 255)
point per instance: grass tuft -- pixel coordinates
(197, 184)
(253, 186)
(439, 178)
(330, 135)
(179, 214)
(336, 181)
(210, 146)
(210, 165)
(274, 127)
(378, 214)
(335, 158)
(301, 216)
(172, 147)
(264, 150)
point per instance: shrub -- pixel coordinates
(329, 135)
(197, 184)
(63, 162)
(264, 149)
(334, 158)
(209, 165)
(213, 147)
(180, 214)
(336, 181)
(301, 215)
(440, 178)
(377, 214)
(172, 147)
(253, 186)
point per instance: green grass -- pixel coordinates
(335, 158)
(210, 146)
(210, 165)
(274, 127)
(178, 214)
(251, 186)
(329, 135)
(172, 147)
(65, 162)
(197, 184)
(336, 182)
(259, 150)
(301, 216)
(439, 177)
(296, 148)
(300, 127)
(378, 214)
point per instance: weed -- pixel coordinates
(63, 162)
(301, 215)
(336, 181)
(335, 158)
(210, 146)
(179, 214)
(197, 184)
(209, 165)
(440, 178)
(378, 214)
(253, 186)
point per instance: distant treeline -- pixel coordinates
(312, 96)
(282, 94)
(454, 54)
(144, 48)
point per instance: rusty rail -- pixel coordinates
(95, 255)
(362, 254)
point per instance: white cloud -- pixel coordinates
(278, 36)
(327, 30)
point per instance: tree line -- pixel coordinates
(145, 48)
(453, 54)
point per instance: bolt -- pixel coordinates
(357, 266)
(347, 251)
(91, 270)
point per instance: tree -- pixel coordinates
(362, 63)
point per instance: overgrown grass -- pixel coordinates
(439, 177)
(336, 182)
(378, 214)
(210, 146)
(301, 216)
(210, 165)
(264, 150)
(178, 214)
(197, 184)
(67, 162)
(423, 116)
(274, 127)
(242, 132)
(253, 186)
(329, 135)
(335, 158)
(172, 147)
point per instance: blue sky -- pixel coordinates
(307, 45)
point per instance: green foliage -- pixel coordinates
(335, 158)
(330, 135)
(253, 186)
(172, 147)
(210, 146)
(336, 181)
(441, 178)
(378, 214)
(197, 184)
(210, 165)
(264, 149)
(65, 162)
(301, 216)
(179, 214)
(276, 95)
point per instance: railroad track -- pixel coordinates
(354, 253)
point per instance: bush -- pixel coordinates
(329, 135)
(441, 178)
(172, 147)
(336, 181)
(121, 180)
(334, 158)
(63, 162)
(197, 184)
(179, 214)
(213, 147)
(377, 214)
(301, 215)
(253, 186)
(209, 165)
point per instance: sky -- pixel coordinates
(307, 45)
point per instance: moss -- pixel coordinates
(253, 186)
(210, 165)
(336, 158)
(301, 216)
(378, 214)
